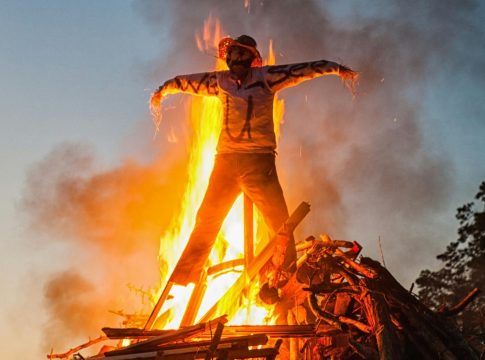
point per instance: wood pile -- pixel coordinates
(376, 318)
(335, 306)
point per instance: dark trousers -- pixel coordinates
(253, 174)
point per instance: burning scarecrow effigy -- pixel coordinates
(328, 303)
(246, 149)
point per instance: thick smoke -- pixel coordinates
(118, 210)
(110, 221)
(77, 308)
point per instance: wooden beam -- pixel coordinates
(132, 333)
(158, 305)
(215, 341)
(193, 305)
(248, 230)
(224, 266)
(463, 303)
(274, 331)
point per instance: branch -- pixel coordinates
(77, 348)
(455, 309)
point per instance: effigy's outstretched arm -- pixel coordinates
(279, 77)
(204, 84)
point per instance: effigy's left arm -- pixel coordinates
(279, 77)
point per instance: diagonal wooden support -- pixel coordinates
(248, 230)
(158, 305)
(215, 341)
(195, 300)
(227, 303)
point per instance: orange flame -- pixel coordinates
(205, 115)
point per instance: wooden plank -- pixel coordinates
(226, 265)
(280, 331)
(132, 333)
(378, 316)
(215, 341)
(368, 273)
(293, 342)
(232, 342)
(72, 351)
(184, 333)
(152, 355)
(248, 230)
(270, 330)
(455, 309)
(195, 300)
(266, 353)
(223, 353)
(158, 305)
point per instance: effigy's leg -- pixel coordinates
(221, 193)
(260, 182)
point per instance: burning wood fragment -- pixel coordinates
(455, 309)
(76, 349)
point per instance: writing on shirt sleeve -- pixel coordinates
(280, 76)
(197, 84)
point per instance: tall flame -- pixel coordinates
(205, 118)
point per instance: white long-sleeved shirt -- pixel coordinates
(248, 106)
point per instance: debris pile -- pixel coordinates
(335, 306)
(375, 316)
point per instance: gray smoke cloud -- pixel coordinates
(364, 164)
(77, 308)
(110, 220)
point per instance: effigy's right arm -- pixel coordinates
(203, 84)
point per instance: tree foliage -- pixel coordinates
(463, 269)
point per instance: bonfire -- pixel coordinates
(336, 305)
